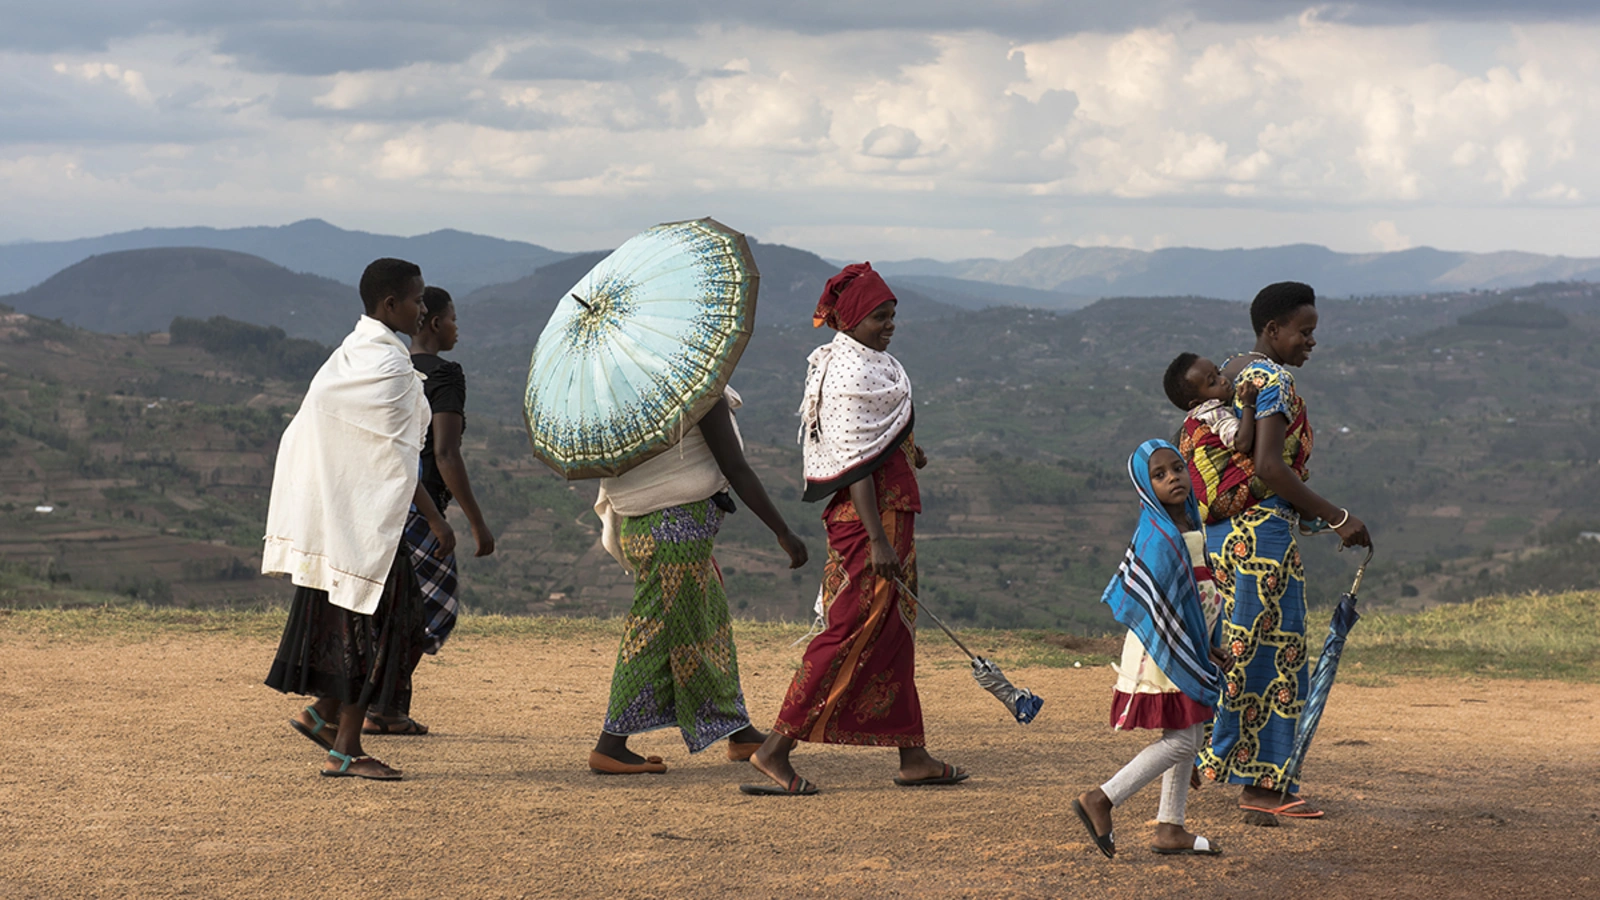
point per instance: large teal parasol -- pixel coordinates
(640, 348)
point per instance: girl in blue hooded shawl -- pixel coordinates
(1171, 666)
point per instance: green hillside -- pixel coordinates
(156, 455)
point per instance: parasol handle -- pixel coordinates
(583, 303)
(1356, 587)
(936, 620)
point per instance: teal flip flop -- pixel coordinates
(314, 734)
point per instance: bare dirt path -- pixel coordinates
(160, 767)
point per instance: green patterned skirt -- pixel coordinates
(676, 665)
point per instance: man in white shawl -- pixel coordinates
(677, 666)
(857, 680)
(345, 478)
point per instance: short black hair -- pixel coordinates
(434, 300)
(1277, 302)
(386, 277)
(1176, 381)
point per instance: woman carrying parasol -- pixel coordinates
(628, 383)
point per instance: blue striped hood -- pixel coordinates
(1154, 592)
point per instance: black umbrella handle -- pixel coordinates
(922, 607)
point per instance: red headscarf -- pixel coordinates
(851, 296)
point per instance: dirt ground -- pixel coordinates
(163, 768)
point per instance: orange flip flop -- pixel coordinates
(1287, 810)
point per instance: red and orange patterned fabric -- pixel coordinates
(1225, 482)
(856, 683)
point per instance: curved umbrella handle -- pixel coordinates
(1355, 588)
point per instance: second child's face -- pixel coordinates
(877, 328)
(444, 324)
(1207, 382)
(1170, 478)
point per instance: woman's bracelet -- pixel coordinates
(1340, 524)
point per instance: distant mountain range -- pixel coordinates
(504, 275)
(1071, 275)
(459, 261)
(133, 291)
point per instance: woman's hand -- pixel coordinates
(445, 534)
(485, 539)
(1222, 658)
(1353, 533)
(921, 458)
(796, 548)
(885, 562)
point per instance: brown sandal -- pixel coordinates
(601, 764)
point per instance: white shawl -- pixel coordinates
(857, 401)
(347, 469)
(687, 473)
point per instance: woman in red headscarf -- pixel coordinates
(856, 683)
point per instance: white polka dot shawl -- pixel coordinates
(857, 404)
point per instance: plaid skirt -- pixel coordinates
(436, 578)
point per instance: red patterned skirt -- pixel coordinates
(856, 681)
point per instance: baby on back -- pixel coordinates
(1218, 434)
(1195, 385)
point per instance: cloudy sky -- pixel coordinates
(861, 128)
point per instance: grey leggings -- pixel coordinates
(1170, 758)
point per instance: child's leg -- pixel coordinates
(1174, 747)
(1175, 783)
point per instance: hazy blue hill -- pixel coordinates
(456, 260)
(969, 294)
(791, 281)
(144, 290)
(1238, 274)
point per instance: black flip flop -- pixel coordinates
(1107, 843)
(798, 787)
(951, 775)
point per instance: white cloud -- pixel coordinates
(1197, 131)
(1388, 236)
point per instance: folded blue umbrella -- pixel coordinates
(1344, 618)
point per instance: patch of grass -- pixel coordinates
(1535, 636)
(1510, 636)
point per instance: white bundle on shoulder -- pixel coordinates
(857, 401)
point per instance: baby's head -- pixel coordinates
(1191, 380)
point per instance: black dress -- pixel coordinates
(446, 390)
(328, 651)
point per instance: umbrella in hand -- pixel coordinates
(1344, 618)
(1023, 703)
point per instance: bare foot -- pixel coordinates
(747, 735)
(615, 746)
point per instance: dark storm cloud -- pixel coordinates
(318, 37)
